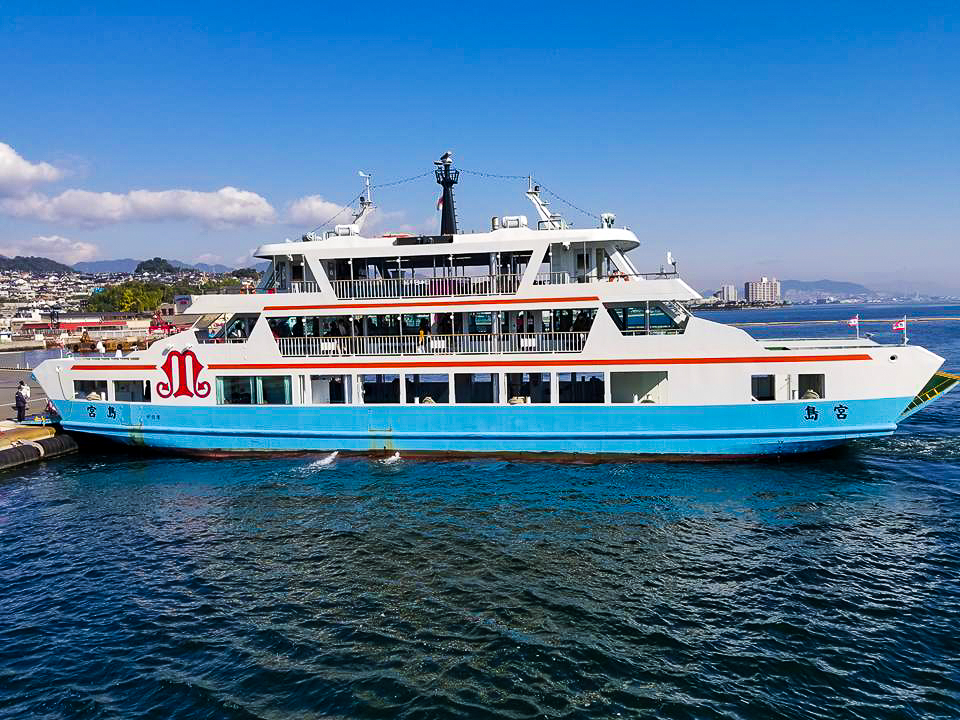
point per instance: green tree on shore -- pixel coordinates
(140, 297)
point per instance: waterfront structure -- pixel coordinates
(522, 339)
(765, 290)
(726, 293)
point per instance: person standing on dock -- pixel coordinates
(20, 399)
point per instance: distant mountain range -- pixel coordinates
(824, 287)
(22, 263)
(128, 265)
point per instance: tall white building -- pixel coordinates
(726, 294)
(765, 290)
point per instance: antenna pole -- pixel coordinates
(366, 200)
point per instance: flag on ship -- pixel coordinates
(854, 321)
(900, 325)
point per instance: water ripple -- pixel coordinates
(283, 589)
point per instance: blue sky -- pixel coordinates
(804, 142)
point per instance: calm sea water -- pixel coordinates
(145, 586)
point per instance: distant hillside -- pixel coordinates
(126, 265)
(829, 287)
(129, 265)
(157, 266)
(202, 267)
(21, 263)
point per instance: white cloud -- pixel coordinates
(248, 259)
(208, 259)
(54, 247)
(313, 210)
(18, 175)
(222, 208)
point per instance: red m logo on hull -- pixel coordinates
(183, 370)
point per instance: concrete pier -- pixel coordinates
(8, 386)
(22, 444)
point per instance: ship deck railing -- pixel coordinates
(452, 286)
(462, 344)
(565, 278)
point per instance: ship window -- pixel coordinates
(762, 388)
(273, 390)
(428, 389)
(638, 387)
(329, 389)
(528, 387)
(312, 326)
(585, 387)
(665, 318)
(239, 327)
(131, 390)
(811, 387)
(253, 390)
(476, 388)
(89, 389)
(578, 320)
(236, 391)
(380, 389)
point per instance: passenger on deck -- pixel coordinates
(298, 330)
(582, 323)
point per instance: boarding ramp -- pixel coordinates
(939, 385)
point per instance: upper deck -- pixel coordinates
(516, 262)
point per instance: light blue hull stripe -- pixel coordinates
(755, 428)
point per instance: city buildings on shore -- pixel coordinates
(764, 290)
(726, 293)
(52, 308)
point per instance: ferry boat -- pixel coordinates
(526, 339)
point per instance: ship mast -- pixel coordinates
(366, 201)
(447, 177)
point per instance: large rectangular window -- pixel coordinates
(427, 389)
(649, 318)
(254, 390)
(477, 387)
(762, 387)
(811, 387)
(638, 387)
(329, 390)
(89, 389)
(131, 390)
(580, 387)
(528, 388)
(274, 390)
(380, 389)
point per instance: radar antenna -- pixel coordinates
(549, 220)
(366, 201)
